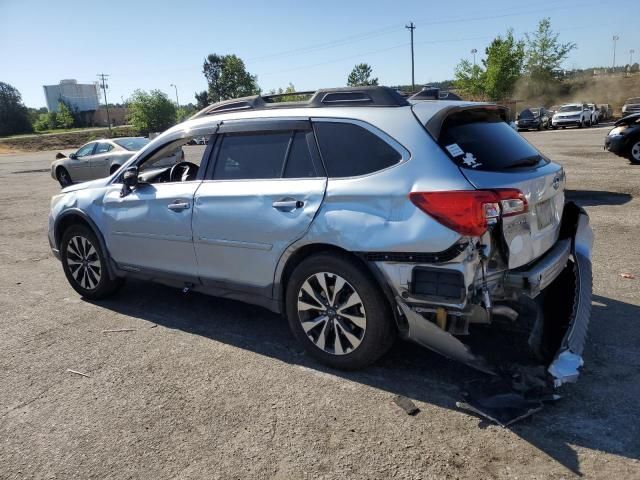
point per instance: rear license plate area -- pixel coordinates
(544, 214)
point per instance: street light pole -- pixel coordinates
(615, 39)
(473, 52)
(631, 52)
(177, 102)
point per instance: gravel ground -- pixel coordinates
(210, 388)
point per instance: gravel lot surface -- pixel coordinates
(210, 388)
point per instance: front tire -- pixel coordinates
(634, 152)
(64, 179)
(338, 313)
(85, 264)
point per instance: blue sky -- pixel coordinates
(151, 44)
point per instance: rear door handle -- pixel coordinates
(178, 206)
(287, 204)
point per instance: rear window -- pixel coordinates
(349, 150)
(479, 139)
(131, 144)
(633, 100)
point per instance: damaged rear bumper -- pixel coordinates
(571, 258)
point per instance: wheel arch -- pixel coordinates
(74, 216)
(293, 257)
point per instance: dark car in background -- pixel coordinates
(624, 138)
(533, 119)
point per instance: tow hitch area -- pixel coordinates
(526, 359)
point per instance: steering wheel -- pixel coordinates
(183, 172)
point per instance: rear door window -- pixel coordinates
(251, 156)
(479, 139)
(103, 148)
(349, 150)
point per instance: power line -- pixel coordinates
(396, 28)
(103, 77)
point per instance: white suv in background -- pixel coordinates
(572, 115)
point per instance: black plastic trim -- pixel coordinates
(373, 96)
(416, 257)
(103, 245)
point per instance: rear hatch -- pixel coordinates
(491, 155)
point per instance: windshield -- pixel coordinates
(633, 100)
(479, 139)
(570, 108)
(527, 113)
(132, 144)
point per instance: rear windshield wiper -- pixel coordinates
(531, 161)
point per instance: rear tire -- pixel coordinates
(114, 169)
(338, 313)
(64, 179)
(85, 264)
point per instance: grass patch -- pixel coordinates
(62, 139)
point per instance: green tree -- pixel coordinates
(469, 79)
(503, 66)
(151, 111)
(228, 78)
(45, 122)
(360, 76)
(500, 70)
(65, 117)
(184, 112)
(202, 99)
(544, 57)
(14, 116)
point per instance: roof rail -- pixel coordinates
(374, 96)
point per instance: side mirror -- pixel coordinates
(73, 156)
(129, 180)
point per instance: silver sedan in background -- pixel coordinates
(96, 159)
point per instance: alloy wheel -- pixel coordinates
(64, 178)
(331, 313)
(83, 262)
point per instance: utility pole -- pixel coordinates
(177, 102)
(615, 39)
(473, 52)
(103, 77)
(411, 27)
(631, 52)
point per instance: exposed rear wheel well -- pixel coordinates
(316, 248)
(113, 169)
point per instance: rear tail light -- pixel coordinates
(470, 212)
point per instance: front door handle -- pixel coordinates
(287, 204)
(178, 206)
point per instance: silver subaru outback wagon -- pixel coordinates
(357, 214)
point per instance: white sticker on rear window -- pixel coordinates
(469, 160)
(454, 150)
